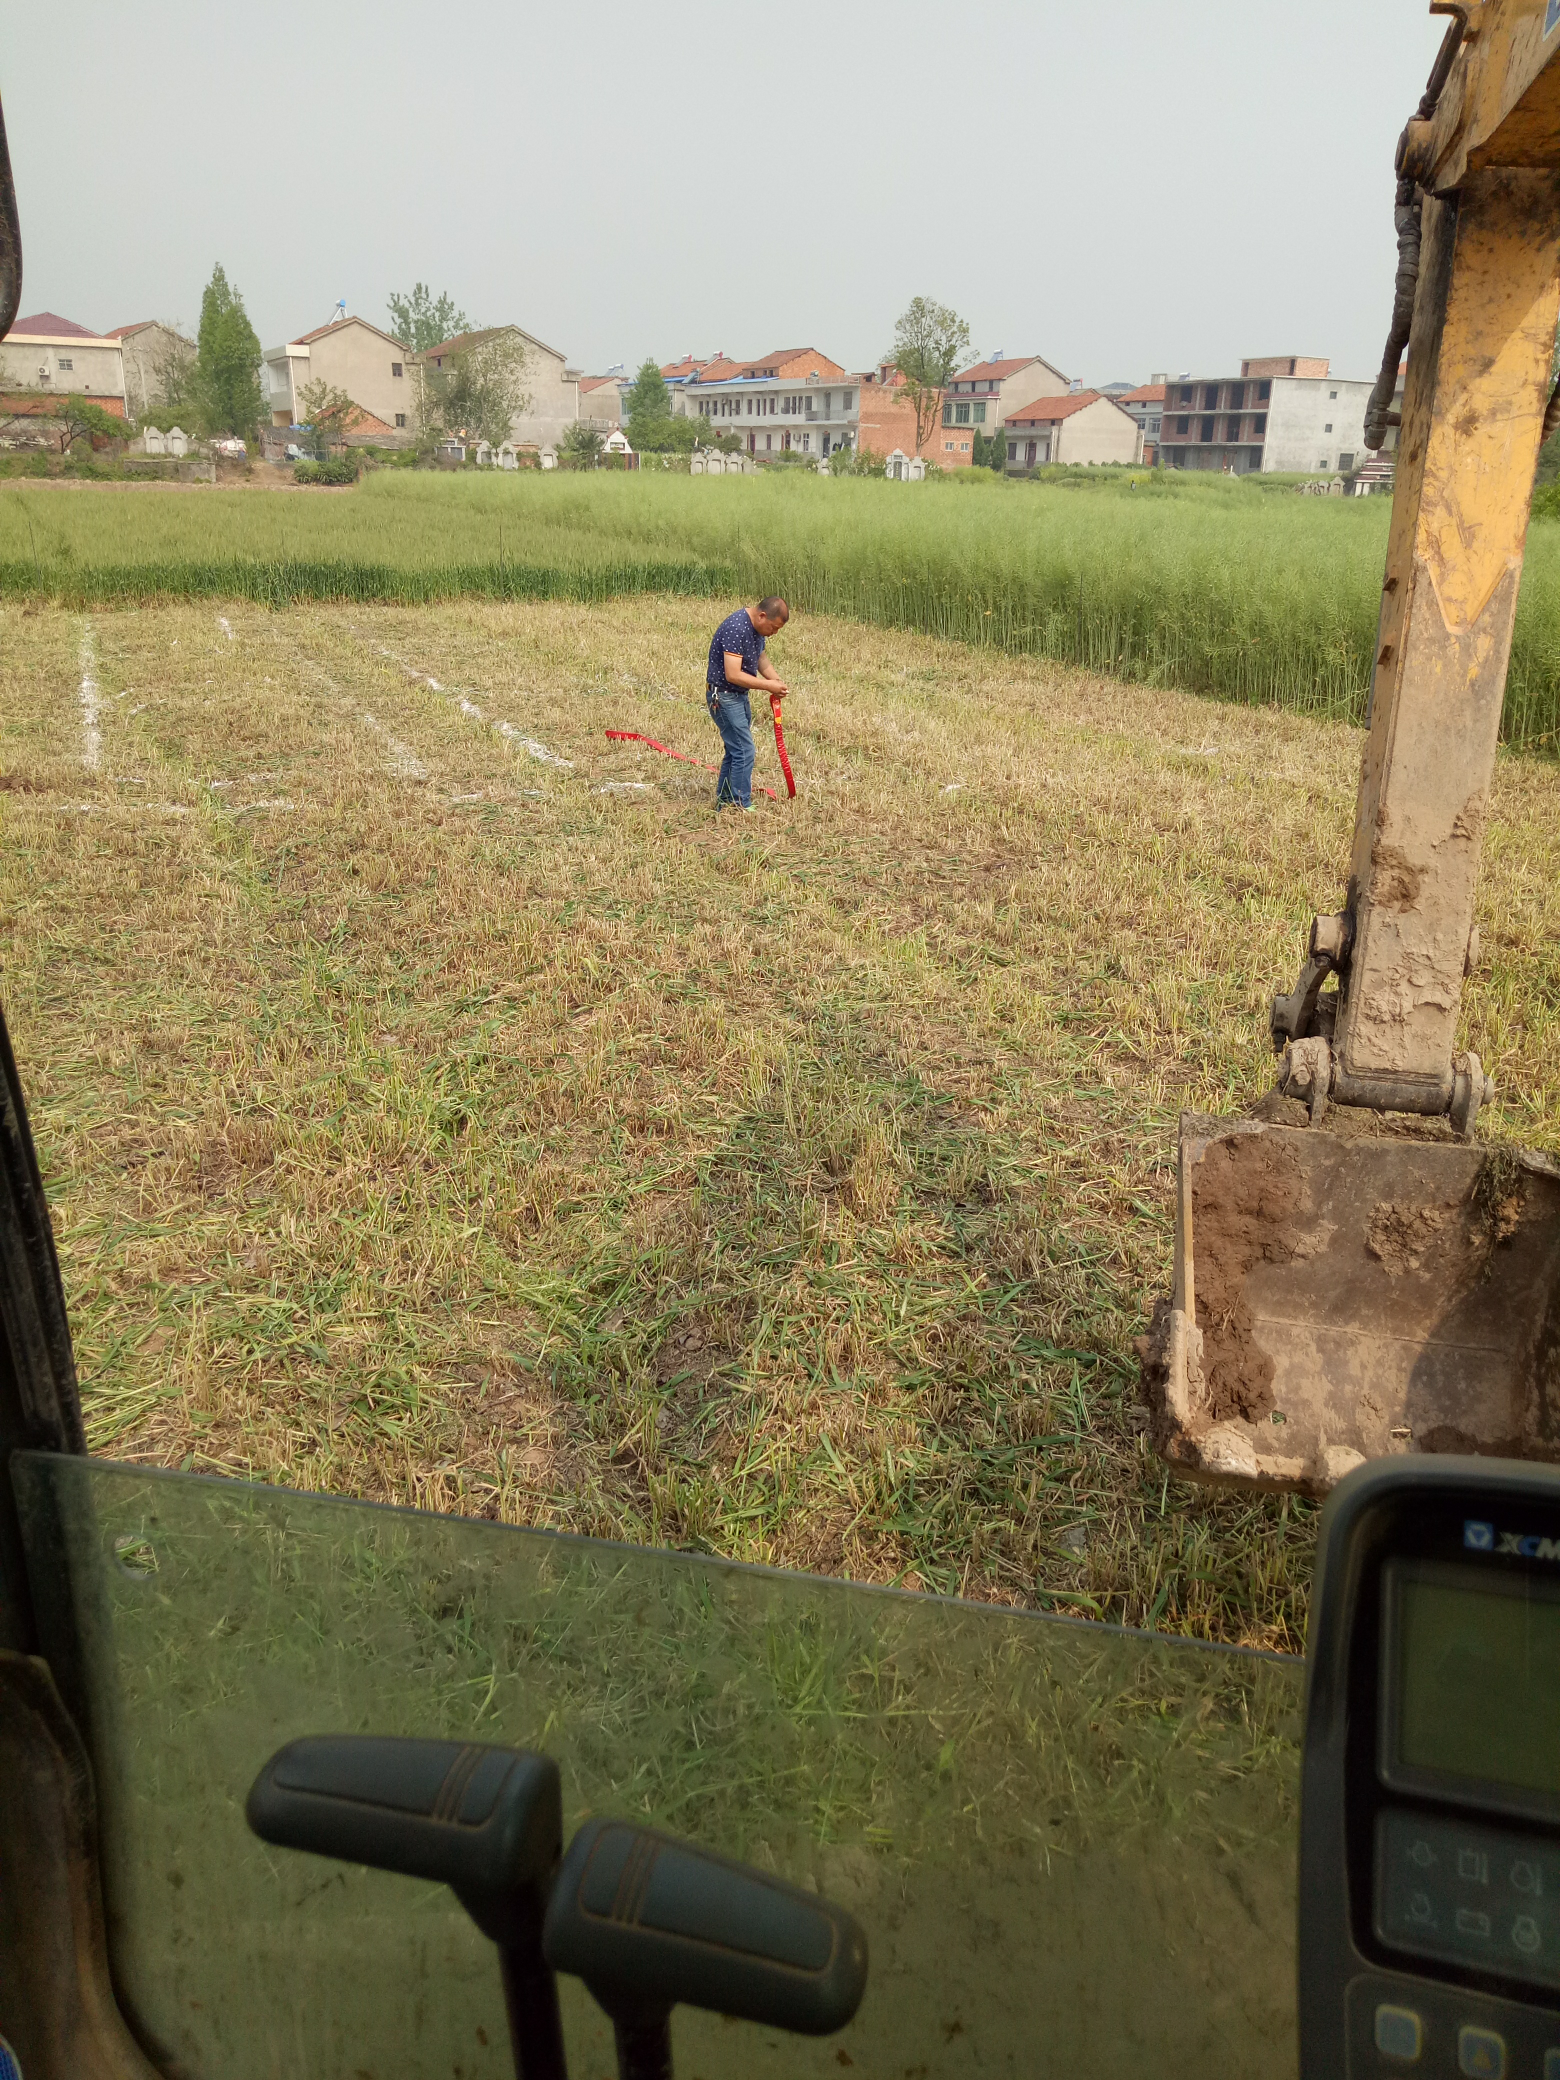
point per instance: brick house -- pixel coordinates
(886, 421)
(1084, 426)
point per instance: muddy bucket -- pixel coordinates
(1341, 1295)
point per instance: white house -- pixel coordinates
(792, 400)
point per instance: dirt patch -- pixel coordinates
(19, 783)
(1395, 880)
(1400, 1237)
(1244, 1205)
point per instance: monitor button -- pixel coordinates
(1481, 2055)
(1400, 2034)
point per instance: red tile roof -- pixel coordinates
(783, 361)
(998, 371)
(689, 365)
(1045, 411)
(48, 325)
(1145, 393)
(595, 382)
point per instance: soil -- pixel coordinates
(1245, 1200)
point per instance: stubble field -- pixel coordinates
(438, 1103)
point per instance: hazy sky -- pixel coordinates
(1122, 188)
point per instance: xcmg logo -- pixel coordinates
(1484, 1538)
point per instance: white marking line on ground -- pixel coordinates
(473, 713)
(226, 626)
(91, 704)
(404, 762)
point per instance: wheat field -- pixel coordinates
(439, 1103)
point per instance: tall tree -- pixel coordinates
(480, 391)
(227, 361)
(930, 343)
(421, 320)
(649, 423)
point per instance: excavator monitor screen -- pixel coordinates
(1430, 1805)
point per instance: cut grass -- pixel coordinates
(421, 1122)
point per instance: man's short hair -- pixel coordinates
(774, 608)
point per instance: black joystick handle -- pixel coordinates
(648, 1921)
(486, 1821)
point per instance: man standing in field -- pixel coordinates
(738, 664)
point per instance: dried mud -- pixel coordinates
(1245, 1201)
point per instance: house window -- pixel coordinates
(395, 368)
(66, 362)
(961, 413)
(1183, 425)
(1323, 463)
(806, 440)
(769, 440)
(1210, 397)
(1012, 451)
(947, 447)
(947, 415)
(850, 399)
(1328, 427)
(1188, 395)
(1152, 426)
(400, 418)
(1237, 396)
(1264, 392)
(1259, 427)
(1346, 461)
(1207, 430)
(1332, 393)
(1232, 430)
(1029, 452)
(964, 447)
(980, 415)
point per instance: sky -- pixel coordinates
(1124, 188)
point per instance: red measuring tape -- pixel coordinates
(785, 763)
(633, 736)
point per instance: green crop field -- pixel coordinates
(1212, 586)
(439, 1103)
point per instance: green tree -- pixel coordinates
(649, 422)
(421, 320)
(325, 411)
(581, 446)
(226, 385)
(480, 391)
(930, 343)
(990, 450)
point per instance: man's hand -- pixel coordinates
(777, 687)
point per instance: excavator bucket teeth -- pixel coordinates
(1341, 1296)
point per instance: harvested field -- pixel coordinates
(439, 1103)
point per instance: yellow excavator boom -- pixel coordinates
(1349, 1284)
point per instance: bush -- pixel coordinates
(336, 469)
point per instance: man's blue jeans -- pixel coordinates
(733, 717)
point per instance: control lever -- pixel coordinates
(488, 1822)
(648, 1921)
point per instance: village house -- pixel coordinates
(49, 354)
(1080, 427)
(886, 422)
(151, 353)
(794, 399)
(1147, 405)
(553, 387)
(350, 355)
(601, 400)
(989, 393)
(1282, 412)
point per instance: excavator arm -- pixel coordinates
(1360, 1277)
